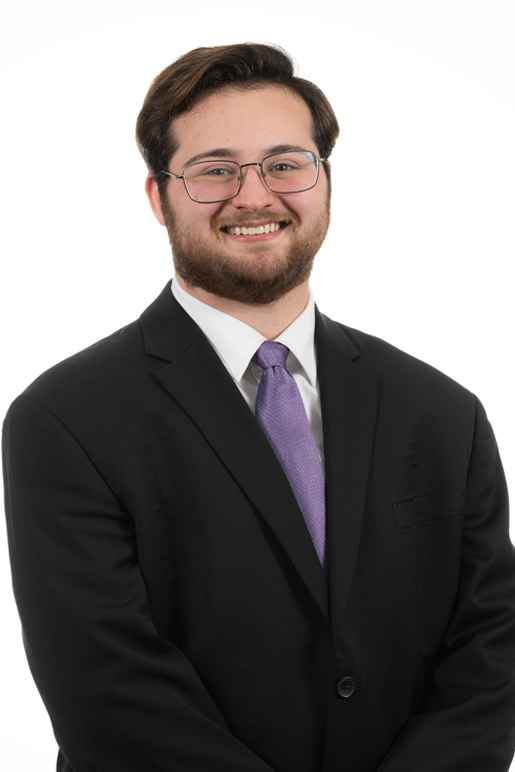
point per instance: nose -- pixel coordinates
(253, 191)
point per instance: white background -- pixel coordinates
(421, 244)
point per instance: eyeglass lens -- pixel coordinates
(289, 172)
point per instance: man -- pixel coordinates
(245, 537)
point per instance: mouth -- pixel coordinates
(283, 224)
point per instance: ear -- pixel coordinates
(152, 192)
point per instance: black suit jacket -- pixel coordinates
(174, 612)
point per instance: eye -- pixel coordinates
(218, 169)
(282, 163)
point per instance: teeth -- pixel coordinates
(269, 228)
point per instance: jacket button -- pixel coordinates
(345, 686)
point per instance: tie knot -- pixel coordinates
(271, 353)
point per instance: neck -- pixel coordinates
(270, 320)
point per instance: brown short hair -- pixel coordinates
(203, 71)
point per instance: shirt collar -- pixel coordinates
(236, 342)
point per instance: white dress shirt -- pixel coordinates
(236, 342)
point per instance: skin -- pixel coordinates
(264, 284)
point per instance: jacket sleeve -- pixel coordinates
(466, 722)
(120, 697)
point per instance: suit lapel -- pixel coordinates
(192, 373)
(349, 396)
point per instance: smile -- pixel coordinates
(255, 234)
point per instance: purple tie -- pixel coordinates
(281, 413)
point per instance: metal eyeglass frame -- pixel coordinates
(240, 176)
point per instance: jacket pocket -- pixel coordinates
(421, 509)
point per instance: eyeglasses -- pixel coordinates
(207, 182)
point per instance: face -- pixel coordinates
(251, 272)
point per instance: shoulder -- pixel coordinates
(405, 376)
(82, 378)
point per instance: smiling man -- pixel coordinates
(261, 279)
(245, 537)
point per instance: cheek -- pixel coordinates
(311, 205)
(308, 213)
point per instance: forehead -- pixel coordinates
(248, 121)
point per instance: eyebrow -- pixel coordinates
(226, 152)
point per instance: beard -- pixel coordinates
(254, 274)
